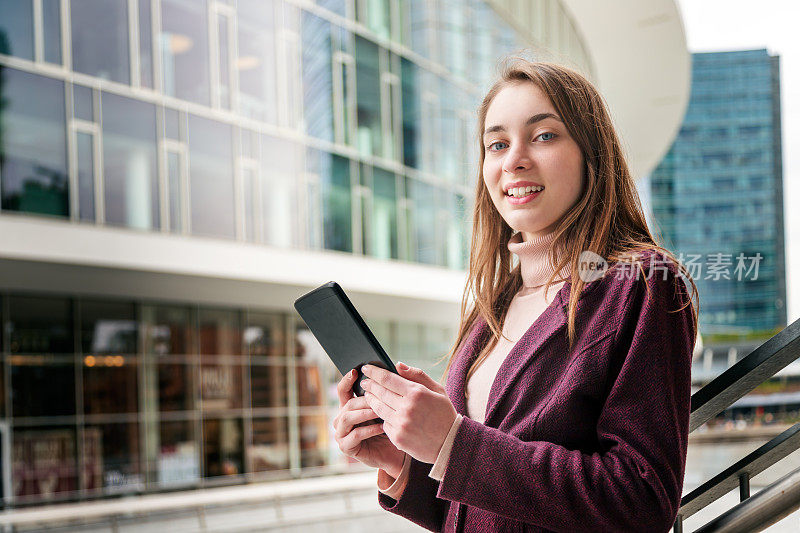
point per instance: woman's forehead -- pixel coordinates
(516, 102)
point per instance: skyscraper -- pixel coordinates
(718, 193)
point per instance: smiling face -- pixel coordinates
(527, 145)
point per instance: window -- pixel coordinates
(184, 50)
(40, 325)
(281, 168)
(333, 175)
(317, 80)
(129, 162)
(211, 177)
(222, 447)
(384, 215)
(368, 97)
(145, 43)
(51, 30)
(109, 340)
(44, 464)
(269, 449)
(16, 28)
(256, 62)
(113, 451)
(33, 153)
(424, 221)
(411, 113)
(177, 461)
(100, 39)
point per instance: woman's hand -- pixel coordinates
(416, 412)
(365, 443)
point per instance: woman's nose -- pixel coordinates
(516, 160)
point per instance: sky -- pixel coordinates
(719, 25)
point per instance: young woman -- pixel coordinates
(568, 388)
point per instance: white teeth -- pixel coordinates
(523, 191)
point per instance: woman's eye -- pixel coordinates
(496, 143)
(547, 133)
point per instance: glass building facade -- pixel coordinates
(718, 192)
(340, 125)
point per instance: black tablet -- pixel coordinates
(341, 331)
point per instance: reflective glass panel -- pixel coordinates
(317, 77)
(222, 447)
(368, 97)
(184, 49)
(211, 177)
(221, 384)
(333, 173)
(178, 459)
(40, 325)
(424, 221)
(265, 335)
(51, 30)
(129, 162)
(224, 54)
(281, 164)
(100, 38)
(169, 330)
(33, 153)
(314, 440)
(85, 152)
(249, 177)
(315, 371)
(220, 333)
(110, 384)
(256, 63)
(270, 447)
(43, 463)
(108, 327)
(384, 215)
(42, 385)
(82, 103)
(16, 28)
(175, 387)
(269, 386)
(174, 189)
(145, 43)
(411, 89)
(115, 449)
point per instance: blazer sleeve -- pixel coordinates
(418, 501)
(634, 482)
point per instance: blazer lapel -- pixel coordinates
(551, 321)
(457, 376)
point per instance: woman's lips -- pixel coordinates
(524, 199)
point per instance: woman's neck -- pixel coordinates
(534, 259)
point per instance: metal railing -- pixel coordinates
(752, 370)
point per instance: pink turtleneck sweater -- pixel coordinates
(525, 308)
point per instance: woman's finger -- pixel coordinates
(390, 398)
(419, 376)
(359, 434)
(383, 410)
(345, 387)
(351, 418)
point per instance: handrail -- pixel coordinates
(752, 370)
(748, 373)
(760, 511)
(741, 471)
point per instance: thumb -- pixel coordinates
(418, 376)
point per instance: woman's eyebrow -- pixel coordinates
(533, 120)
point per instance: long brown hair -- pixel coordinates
(607, 219)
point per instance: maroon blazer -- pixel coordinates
(590, 439)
